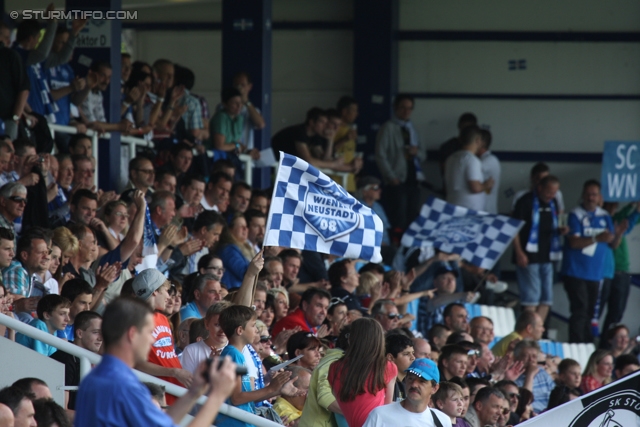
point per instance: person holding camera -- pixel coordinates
(112, 395)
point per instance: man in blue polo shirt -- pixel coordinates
(590, 236)
(111, 395)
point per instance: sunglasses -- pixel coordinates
(18, 199)
(392, 316)
(473, 353)
(505, 411)
(265, 339)
(512, 395)
(335, 301)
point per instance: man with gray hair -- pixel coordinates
(13, 199)
(173, 246)
(386, 313)
(162, 208)
(206, 292)
(535, 377)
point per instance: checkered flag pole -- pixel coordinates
(310, 211)
(478, 237)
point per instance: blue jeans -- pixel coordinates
(536, 284)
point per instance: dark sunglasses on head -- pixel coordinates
(18, 199)
(265, 339)
(335, 300)
(473, 353)
(173, 290)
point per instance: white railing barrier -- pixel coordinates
(88, 358)
(344, 176)
(248, 166)
(133, 142)
(128, 140)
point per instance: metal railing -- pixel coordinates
(88, 358)
(248, 166)
(132, 143)
(344, 176)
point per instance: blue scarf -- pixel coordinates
(149, 246)
(260, 379)
(414, 142)
(532, 244)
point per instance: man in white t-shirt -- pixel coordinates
(490, 169)
(464, 180)
(420, 383)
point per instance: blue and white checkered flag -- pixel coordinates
(310, 211)
(478, 237)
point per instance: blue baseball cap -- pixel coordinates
(425, 369)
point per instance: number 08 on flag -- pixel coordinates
(310, 211)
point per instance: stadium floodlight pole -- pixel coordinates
(87, 358)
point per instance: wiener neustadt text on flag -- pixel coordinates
(310, 211)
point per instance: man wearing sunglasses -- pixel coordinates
(386, 313)
(510, 389)
(13, 199)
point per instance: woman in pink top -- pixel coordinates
(363, 379)
(598, 371)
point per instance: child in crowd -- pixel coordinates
(568, 379)
(239, 325)
(399, 349)
(449, 399)
(53, 316)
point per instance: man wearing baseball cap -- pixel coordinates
(153, 287)
(420, 383)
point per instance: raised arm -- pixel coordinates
(244, 295)
(64, 56)
(134, 235)
(41, 53)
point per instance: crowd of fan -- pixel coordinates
(368, 344)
